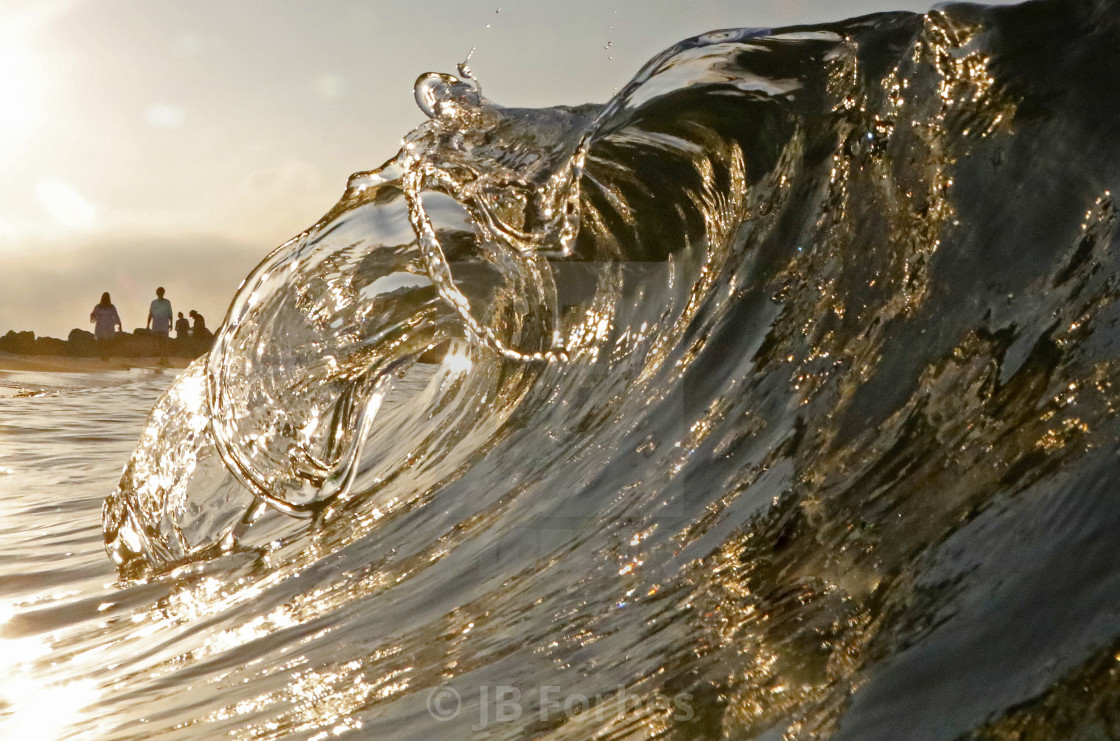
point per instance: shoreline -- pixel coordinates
(11, 362)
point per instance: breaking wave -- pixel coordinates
(784, 384)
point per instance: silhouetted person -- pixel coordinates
(159, 321)
(182, 327)
(199, 331)
(104, 317)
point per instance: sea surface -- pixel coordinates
(775, 398)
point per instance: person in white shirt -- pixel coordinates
(105, 317)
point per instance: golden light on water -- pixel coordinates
(458, 360)
(41, 710)
(33, 707)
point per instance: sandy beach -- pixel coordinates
(68, 364)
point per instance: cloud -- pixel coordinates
(164, 116)
(188, 45)
(21, 17)
(330, 85)
(65, 204)
(291, 178)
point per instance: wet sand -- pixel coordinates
(68, 364)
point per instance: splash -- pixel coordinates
(461, 238)
(721, 391)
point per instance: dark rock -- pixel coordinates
(135, 345)
(80, 335)
(51, 346)
(80, 343)
(18, 342)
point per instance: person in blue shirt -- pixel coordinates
(159, 321)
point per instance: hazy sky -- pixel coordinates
(175, 143)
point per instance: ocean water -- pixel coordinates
(775, 398)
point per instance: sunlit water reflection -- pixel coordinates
(775, 398)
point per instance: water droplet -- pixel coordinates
(436, 93)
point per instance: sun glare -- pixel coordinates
(65, 205)
(458, 360)
(19, 92)
(34, 708)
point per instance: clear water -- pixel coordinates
(63, 441)
(774, 398)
